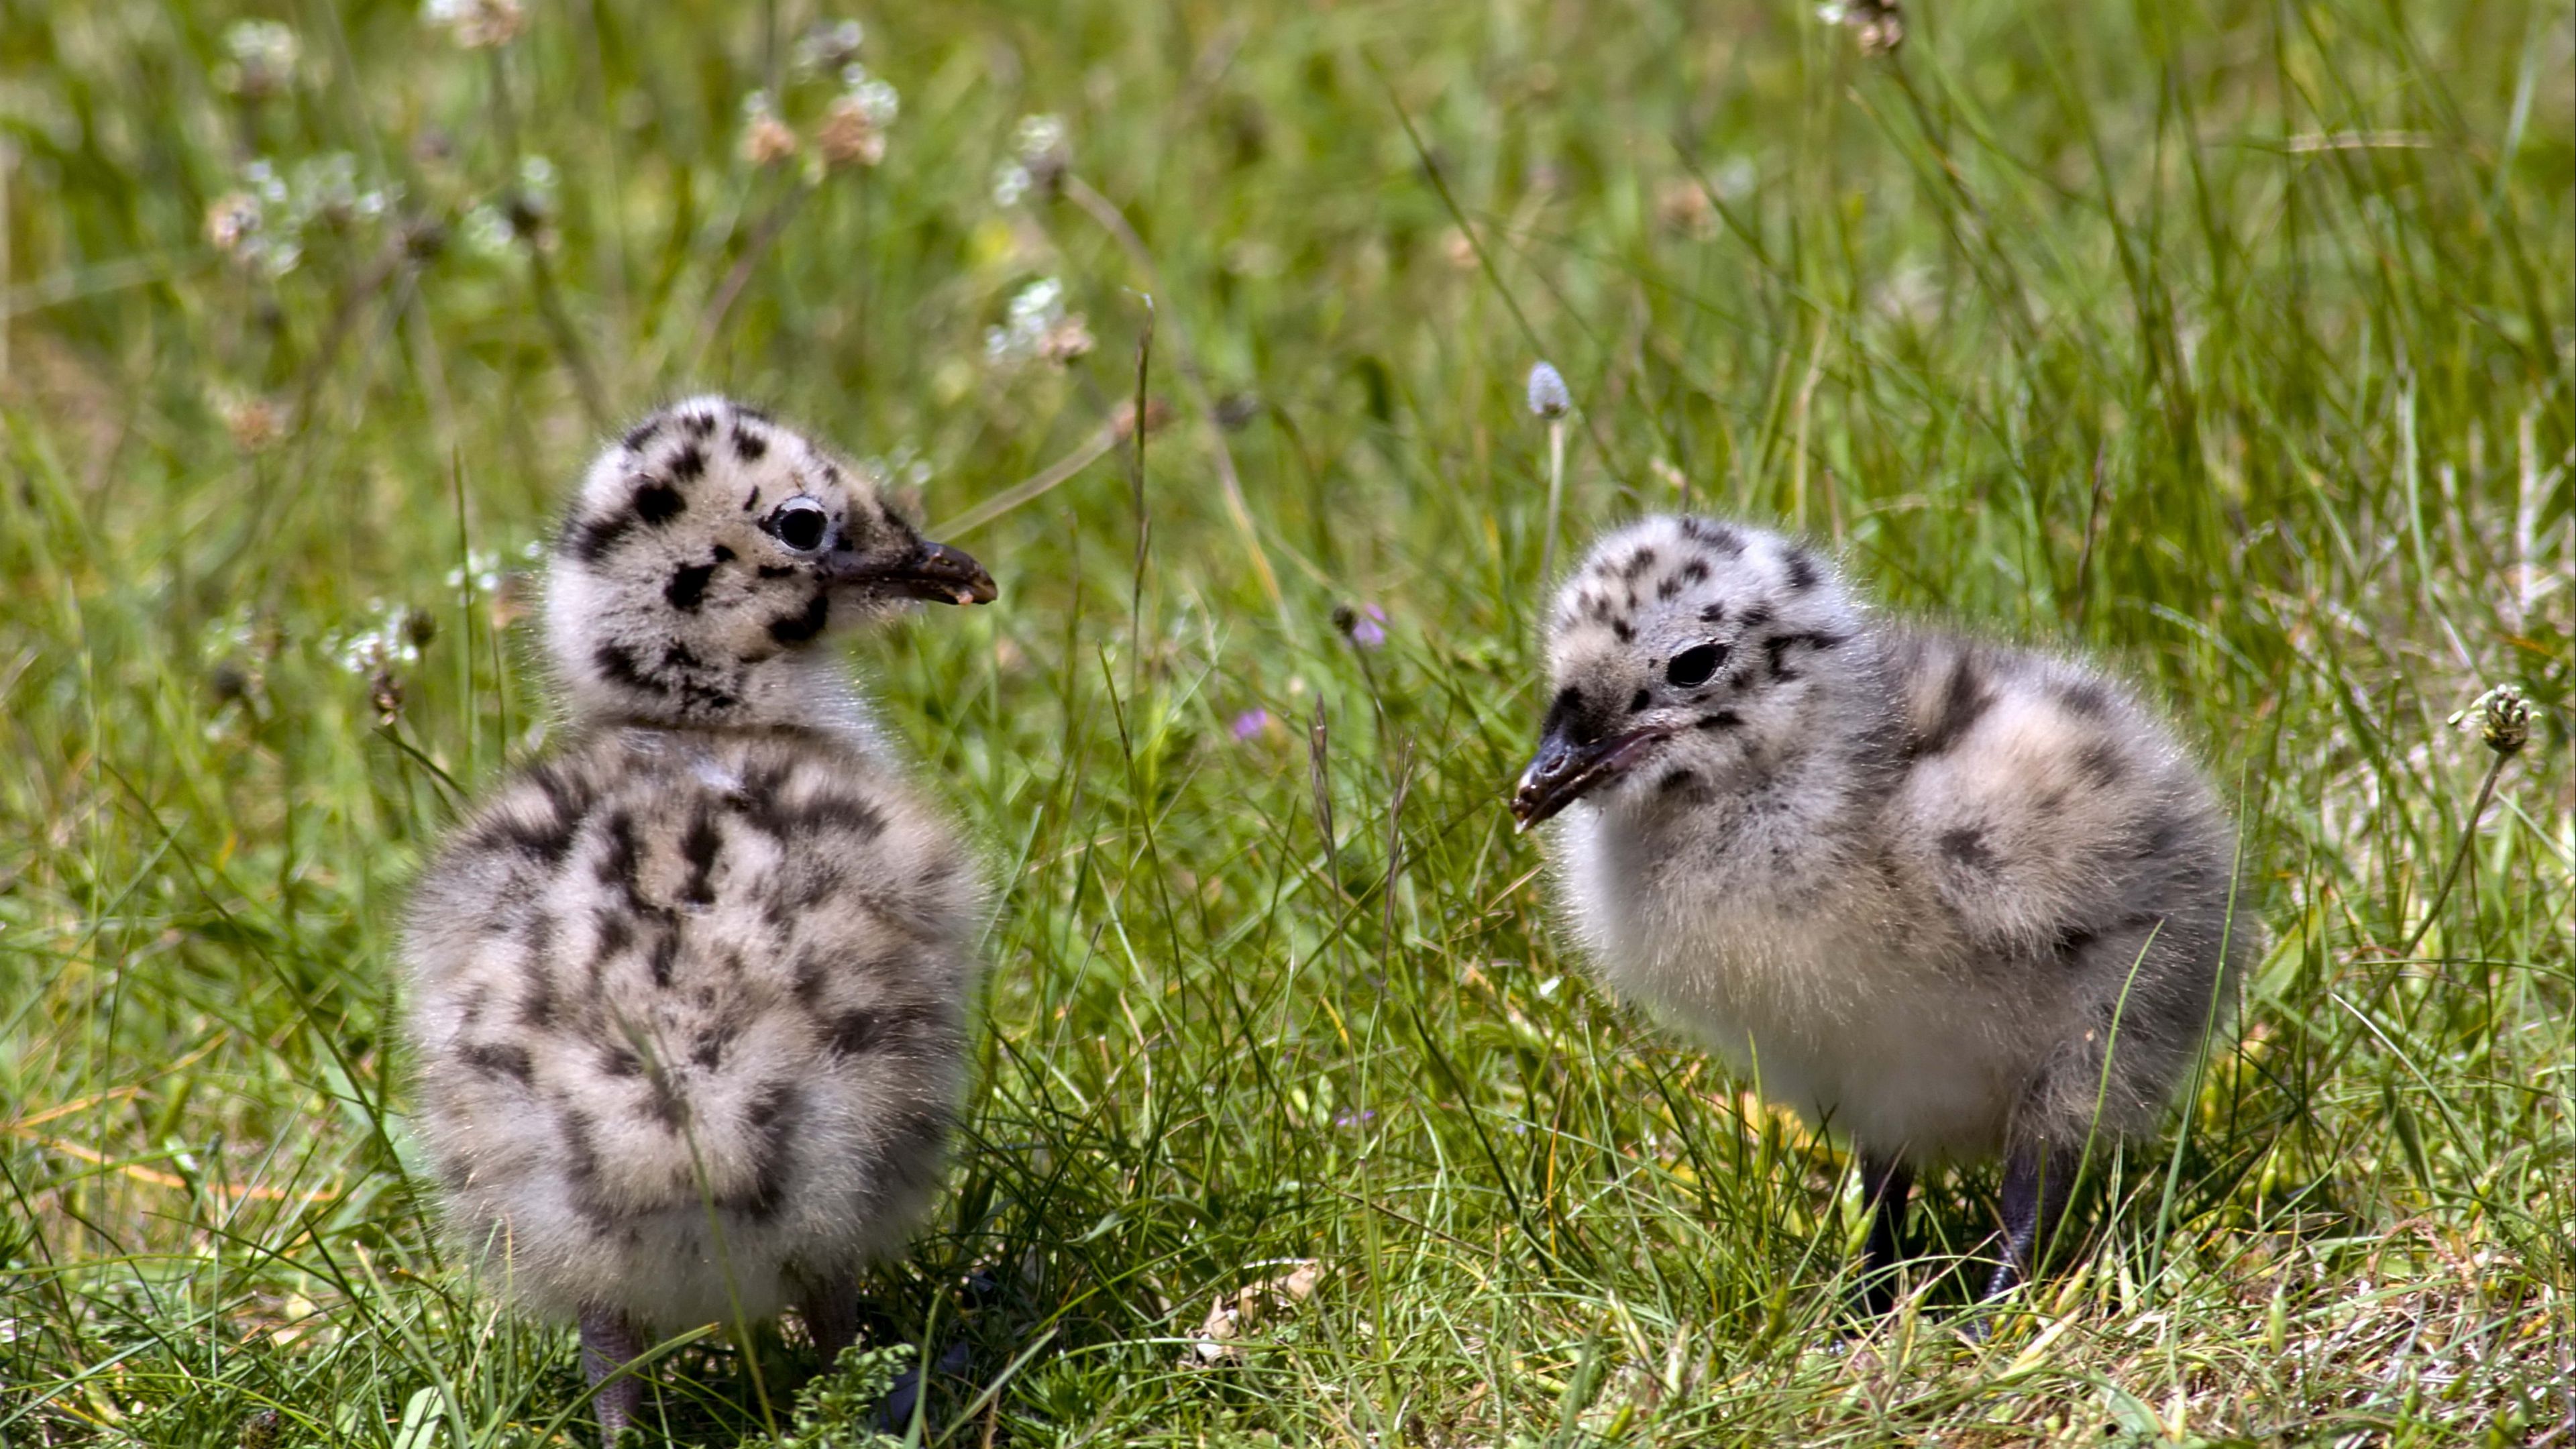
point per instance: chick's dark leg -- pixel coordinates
(608, 1343)
(832, 1316)
(2037, 1182)
(1887, 1184)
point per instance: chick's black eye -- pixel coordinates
(799, 523)
(1692, 667)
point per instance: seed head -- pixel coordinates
(2502, 718)
(1547, 395)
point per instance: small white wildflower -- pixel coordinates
(1038, 161)
(221, 638)
(828, 45)
(257, 226)
(486, 232)
(477, 24)
(393, 636)
(260, 175)
(1037, 325)
(903, 464)
(1038, 135)
(1011, 182)
(1878, 26)
(1547, 395)
(260, 59)
(481, 570)
(324, 187)
(873, 93)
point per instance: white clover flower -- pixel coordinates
(323, 187)
(1039, 158)
(482, 570)
(828, 44)
(538, 179)
(1037, 325)
(872, 92)
(903, 464)
(477, 24)
(260, 59)
(485, 231)
(391, 637)
(1038, 135)
(260, 175)
(231, 634)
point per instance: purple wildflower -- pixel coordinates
(1251, 722)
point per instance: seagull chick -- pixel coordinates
(1958, 899)
(688, 995)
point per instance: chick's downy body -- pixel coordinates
(691, 1021)
(1956, 899)
(687, 997)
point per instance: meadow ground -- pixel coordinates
(2231, 341)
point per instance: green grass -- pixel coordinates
(2232, 342)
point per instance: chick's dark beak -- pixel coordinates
(932, 571)
(1567, 769)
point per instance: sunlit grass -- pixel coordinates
(2234, 345)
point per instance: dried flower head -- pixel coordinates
(254, 422)
(1067, 340)
(1683, 205)
(477, 24)
(854, 128)
(2502, 718)
(1547, 395)
(232, 220)
(766, 141)
(1877, 26)
(1122, 420)
(259, 59)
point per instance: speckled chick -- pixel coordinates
(687, 996)
(1958, 899)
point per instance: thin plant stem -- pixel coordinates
(1555, 495)
(730, 291)
(1144, 519)
(2460, 854)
